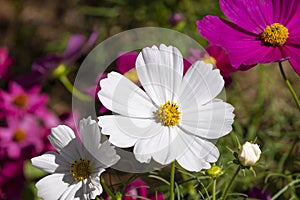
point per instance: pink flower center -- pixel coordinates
(20, 100)
(19, 135)
(275, 35)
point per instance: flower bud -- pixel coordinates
(249, 154)
(214, 172)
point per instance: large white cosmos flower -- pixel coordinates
(176, 115)
(76, 168)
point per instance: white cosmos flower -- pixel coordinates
(175, 117)
(76, 168)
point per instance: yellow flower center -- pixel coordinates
(19, 135)
(81, 169)
(275, 35)
(168, 114)
(209, 60)
(20, 100)
(132, 75)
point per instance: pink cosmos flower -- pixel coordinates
(17, 101)
(139, 188)
(219, 57)
(260, 31)
(5, 62)
(22, 138)
(11, 180)
(77, 46)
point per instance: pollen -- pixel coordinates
(20, 100)
(19, 135)
(168, 114)
(275, 35)
(81, 169)
(132, 75)
(209, 60)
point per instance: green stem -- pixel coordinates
(66, 82)
(107, 190)
(172, 178)
(214, 189)
(280, 192)
(224, 196)
(291, 89)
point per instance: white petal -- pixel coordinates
(200, 82)
(164, 147)
(191, 163)
(198, 155)
(90, 135)
(51, 187)
(94, 187)
(124, 131)
(160, 72)
(61, 136)
(63, 139)
(212, 120)
(51, 162)
(106, 155)
(74, 191)
(121, 96)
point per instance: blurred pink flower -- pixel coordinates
(22, 138)
(176, 18)
(259, 31)
(5, 62)
(77, 46)
(11, 180)
(139, 188)
(219, 57)
(17, 101)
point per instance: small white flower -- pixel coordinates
(76, 168)
(176, 115)
(249, 154)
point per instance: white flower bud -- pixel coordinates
(249, 154)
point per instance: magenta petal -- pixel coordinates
(243, 47)
(248, 14)
(158, 196)
(293, 52)
(126, 62)
(74, 45)
(283, 11)
(136, 188)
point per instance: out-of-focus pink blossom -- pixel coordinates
(5, 62)
(22, 138)
(18, 101)
(77, 46)
(11, 180)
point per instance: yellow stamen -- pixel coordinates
(168, 114)
(275, 35)
(20, 100)
(19, 135)
(81, 170)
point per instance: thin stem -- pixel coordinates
(107, 190)
(214, 189)
(172, 177)
(224, 196)
(280, 192)
(289, 85)
(66, 82)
